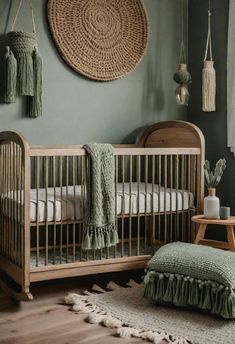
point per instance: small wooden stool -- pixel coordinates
(203, 222)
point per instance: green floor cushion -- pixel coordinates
(193, 275)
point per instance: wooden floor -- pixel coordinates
(47, 320)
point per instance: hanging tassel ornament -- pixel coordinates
(35, 102)
(182, 76)
(208, 74)
(23, 67)
(10, 76)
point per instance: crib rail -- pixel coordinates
(14, 207)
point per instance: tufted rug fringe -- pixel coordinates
(124, 310)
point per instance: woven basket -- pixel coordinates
(101, 39)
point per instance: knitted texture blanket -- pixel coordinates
(99, 227)
(193, 275)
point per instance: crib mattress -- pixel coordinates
(65, 203)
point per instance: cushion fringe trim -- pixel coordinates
(182, 290)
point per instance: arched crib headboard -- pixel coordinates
(173, 134)
(178, 134)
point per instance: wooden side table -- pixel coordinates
(203, 222)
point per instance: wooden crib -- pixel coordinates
(158, 185)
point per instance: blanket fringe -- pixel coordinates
(96, 315)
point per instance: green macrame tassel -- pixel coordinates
(86, 244)
(114, 237)
(160, 288)
(193, 298)
(207, 304)
(25, 79)
(95, 243)
(35, 102)
(201, 286)
(102, 240)
(182, 76)
(182, 301)
(224, 311)
(217, 292)
(107, 237)
(10, 75)
(150, 286)
(170, 289)
(99, 243)
(178, 290)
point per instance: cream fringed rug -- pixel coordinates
(124, 310)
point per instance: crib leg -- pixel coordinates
(14, 294)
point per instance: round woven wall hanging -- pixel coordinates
(101, 39)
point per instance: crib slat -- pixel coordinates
(54, 177)
(152, 196)
(8, 201)
(14, 202)
(146, 229)
(189, 234)
(61, 206)
(177, 187)
(116, 199)
(1, 199)
(138, 177)
(130, 204)
(182, 196)
(46, 210)
(82, 172)
(22, 209)
(86, 169)
(18, 205)
(1, 203)
(37, 168)
(171, 187)
(5, 204)
(74, 202)
(165, 195)
(159, 195)
(67, 200)
(123, 203)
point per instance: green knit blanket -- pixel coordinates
(99, 227)
(193, 275)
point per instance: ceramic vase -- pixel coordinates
(211, 205)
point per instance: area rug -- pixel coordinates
(129, 314)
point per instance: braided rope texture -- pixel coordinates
(101, 39)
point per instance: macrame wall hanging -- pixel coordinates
(22, 66)
(182, 76)
(208, 73)
(103, 40)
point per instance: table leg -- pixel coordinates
(231, 237)
(201, 233)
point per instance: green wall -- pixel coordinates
(213, 125)
(77, 110)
